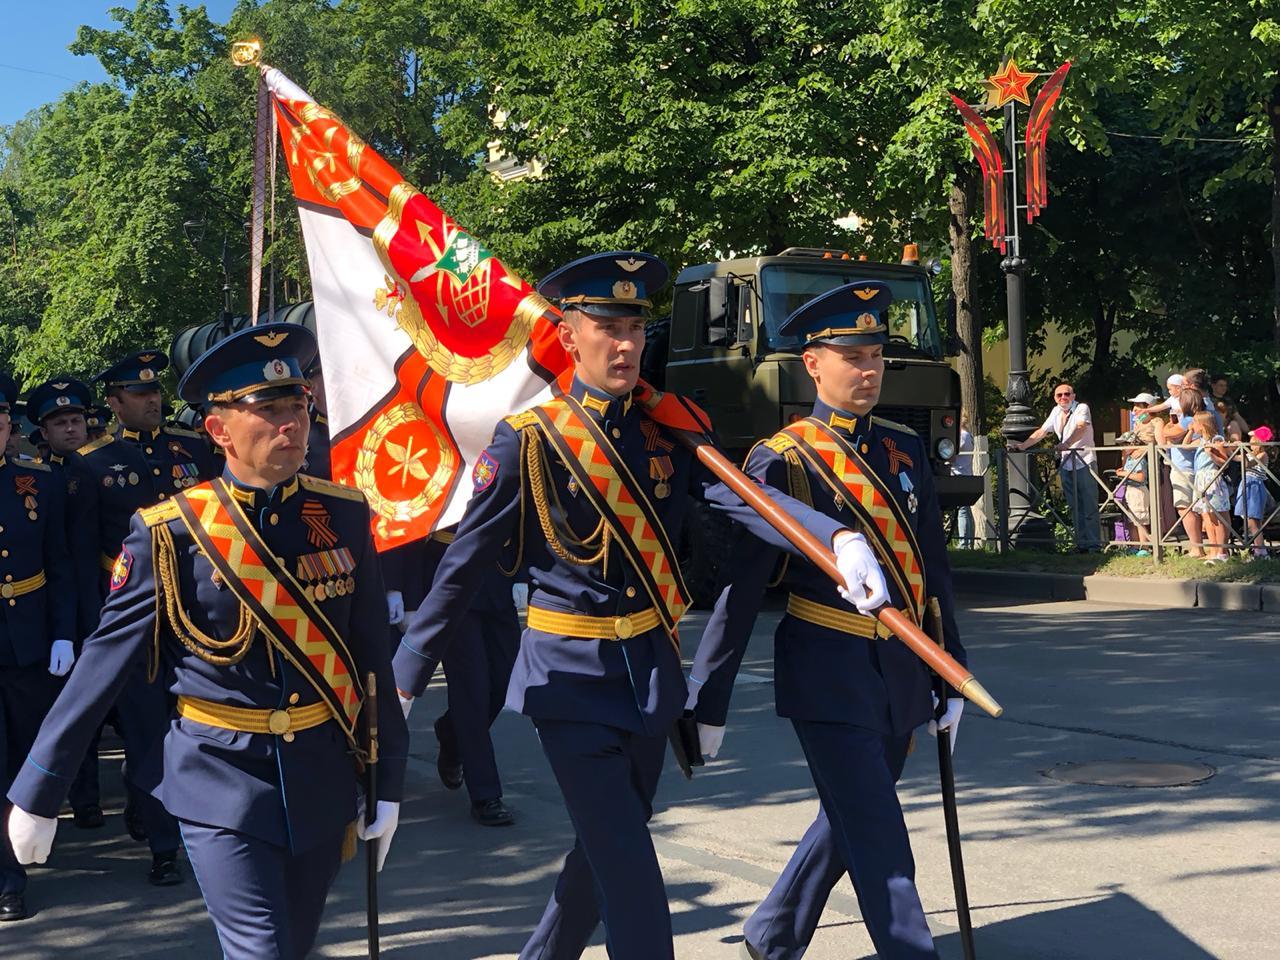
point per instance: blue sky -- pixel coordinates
(35, 65)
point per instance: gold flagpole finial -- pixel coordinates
(246, 53)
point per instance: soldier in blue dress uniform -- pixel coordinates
(853, 693)
(37, 618)
(587, 487)
(265, 649)
(477, 671)
(61, 407)
(140, 463)
(318, 464)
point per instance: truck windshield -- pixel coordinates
(913, 323)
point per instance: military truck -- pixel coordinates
(721, 348)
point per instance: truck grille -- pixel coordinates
(917, 418)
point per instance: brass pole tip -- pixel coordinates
(245, 53)
(972, 690)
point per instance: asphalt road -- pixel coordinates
(1056, 870)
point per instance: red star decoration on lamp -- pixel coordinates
(1010, 84)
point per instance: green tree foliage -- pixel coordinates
(693, 129)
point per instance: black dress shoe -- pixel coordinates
(492, 813)
(90, 817)
(133, 823)
(12, 907)
(164, 870)
(447, 763)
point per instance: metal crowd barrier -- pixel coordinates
(1024, 495)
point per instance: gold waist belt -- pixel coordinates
(582, 627)
(282, 723)
(833, 618)
(16, 588)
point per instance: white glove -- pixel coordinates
(709, 739)
(31, 836)
(395, 606)
(950, 719)
(61, 656)
(383, 827)
(406, 704)
(864, 584)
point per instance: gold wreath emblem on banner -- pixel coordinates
(379, 456)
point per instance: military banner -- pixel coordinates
(427, 339)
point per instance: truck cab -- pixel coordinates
(724, 352)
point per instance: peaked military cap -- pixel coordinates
(60, 395)
(256, 363)
(617, 284)
(8, 392)
(138, 372)
(849, 316)
(98, 416)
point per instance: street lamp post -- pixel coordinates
(1026, 526)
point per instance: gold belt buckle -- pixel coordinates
(6, 590)
(279, 722)
(623, 628)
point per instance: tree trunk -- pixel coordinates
(1104, 328)
(968, 321)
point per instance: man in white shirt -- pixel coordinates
(1072, 423)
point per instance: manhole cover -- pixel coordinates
(1131, 773)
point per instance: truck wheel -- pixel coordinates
(708, 535)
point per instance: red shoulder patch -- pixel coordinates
(120, 571)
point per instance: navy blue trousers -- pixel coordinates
(264, 901)
(860, 831)
(142, 717)
(26, 694)
(478, 669)
(608, 777)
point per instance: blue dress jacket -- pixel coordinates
(33, 540)
(821, 674)
(635, 684)
(115, 475)
(290, 793)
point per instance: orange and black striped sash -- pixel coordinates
(605, 478)
(851, 478)
(284, 611)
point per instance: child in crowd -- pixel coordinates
(1176, 434)
(1211, 492)
(1253, 501)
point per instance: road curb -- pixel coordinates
(1130, 591)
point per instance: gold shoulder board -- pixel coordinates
(519, 421)
(98, 444)
(162, 512)
(780, 442)
(33, 464)
(893, 424)
(316, 485)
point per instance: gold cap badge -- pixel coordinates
(272, 339)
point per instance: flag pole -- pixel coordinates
(248, 53)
